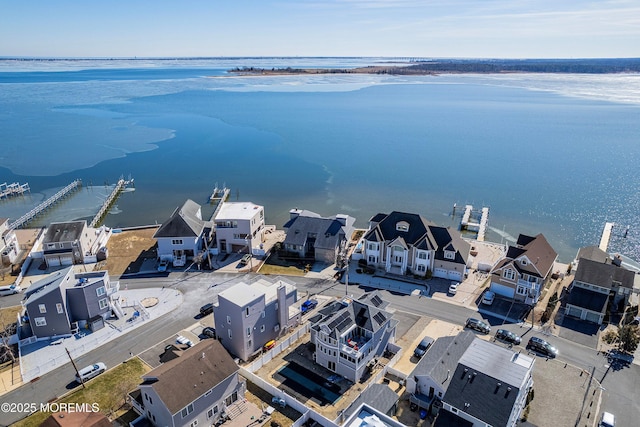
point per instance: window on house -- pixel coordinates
(402, 226)
(100, 291)
(372, 258)
(249, 331)
(523, 261)
(521, 290)
(276, 328)
(42, 308)
(422, 255)
(229, 320)
(276, 305)
(449, 254)
(246, 312)
(509, 274)
(194, 423)
(150, 400)
(41, 321)
(146, 397)
(186, 411)
(176, 241)
(229, 332)
(103, 303)
(59, 308)
(208, 392)
(262, 314)
(262, 328)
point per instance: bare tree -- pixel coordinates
(7, 351)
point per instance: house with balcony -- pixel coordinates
(199, 388)
(66, 302)
(68, 243)
(405, 243)
(350, 334)
(9, 247)
(248, 315)
(239, 228)
(474, 382)
(310, 236)
(521, 274)
(184, 235)
(600, 282)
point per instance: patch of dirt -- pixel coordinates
(128, 250)
(149, 302)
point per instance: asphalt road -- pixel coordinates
(620, 383)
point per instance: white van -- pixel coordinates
(89, 372)
(607, 420)
(9, 290)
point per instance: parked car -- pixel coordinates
(91, 371)
(508, 337)
(209, 332)
(245, 259)
(422, 348)
(488, 297)
(478, 325)
(607, 420)
(453, 288)
(10, 290)
(541, 346)
(308, 305)
(184, 341)
(206, 309)
(269, 345)
(163, 265)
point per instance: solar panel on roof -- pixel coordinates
(376, 301)
(380, 318)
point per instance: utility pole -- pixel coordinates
(75, 367)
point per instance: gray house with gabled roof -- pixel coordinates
(184, 235)
(406, 243)
(599, 281)
(311, 236)
(196, 389)
(477, 383)
(350, 334)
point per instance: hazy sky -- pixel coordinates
(406, 28)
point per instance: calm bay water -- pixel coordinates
(550, 154)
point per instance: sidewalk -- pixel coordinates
(44, 356)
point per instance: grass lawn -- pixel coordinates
(281, 270)
(9, 315)
(107, 390)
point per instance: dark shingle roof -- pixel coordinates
(537, 250)
(448, 419)
(597, 273)
(378, 396)
(594, 253)
(387, 227)
(443, 356)
(182, 380)
(328, 231)
(184, 222)
(586, 298)
(64, 232)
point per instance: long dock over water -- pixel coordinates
(218, 196)
(469, 218)
(606, 236)
(109, 201)
(51, 201)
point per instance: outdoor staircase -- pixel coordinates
(236, 409)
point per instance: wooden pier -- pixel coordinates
(468, 221)
(218, 196)
(606, 236)
(51, 201)
(122, 184)
(13, 189)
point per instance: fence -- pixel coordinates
(282, 345)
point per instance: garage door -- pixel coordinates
(66, 260)
(53, 262)
(502, 290)
(440, 272)
(455, 275)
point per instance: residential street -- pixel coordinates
(200, 288)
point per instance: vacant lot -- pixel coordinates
(128, 250)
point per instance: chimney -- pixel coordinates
(294, 213)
